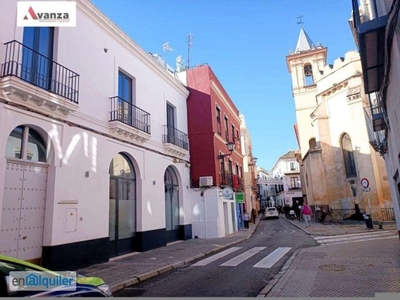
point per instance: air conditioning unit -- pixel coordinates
(205, 181)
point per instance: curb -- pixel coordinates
(265, 291)
(298, 226)
(142, 277)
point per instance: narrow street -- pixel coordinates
(239, 271)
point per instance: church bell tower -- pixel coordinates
(305, 64)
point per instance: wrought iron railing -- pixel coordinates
(129, 114)
(238, 184)
(175, 137)
(39, 70)
(232, 180)
(226, 179)
(387, 214)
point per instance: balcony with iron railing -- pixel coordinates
(378, 117)
(226, 179)
(370, 35)
(24, 70)
(129, 120)
(231, 180)
(175, 141)
(238, 184)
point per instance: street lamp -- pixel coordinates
(231, 147)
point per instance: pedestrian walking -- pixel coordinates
(296, 212)
(246, 219)
(306, 212)
(286, 209)
(254, 215)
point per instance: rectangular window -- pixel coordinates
(125, 98)
(125, 87)
(171, 124)
(37, 56)
(222, 169)
(292, 166)
(218, 112)
(233, 131)
(294, 183)
(226, 129)
(238, 139)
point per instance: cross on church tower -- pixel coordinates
(300, 20)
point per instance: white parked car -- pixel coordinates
(271, 212)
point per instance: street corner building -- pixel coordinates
(334, 132)
(375, 30)
(94, 152)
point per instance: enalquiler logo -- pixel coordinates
(41, 281)
(46, 13)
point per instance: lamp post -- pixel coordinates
(231, 147)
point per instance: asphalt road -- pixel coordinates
(239, 271)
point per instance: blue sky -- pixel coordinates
(245, 43)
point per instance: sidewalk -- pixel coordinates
(132, 268)
(340, 270)
(347, 227)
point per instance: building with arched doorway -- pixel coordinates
(94, 157)
(333, 130)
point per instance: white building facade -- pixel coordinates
(287, 169)
(93, 146)
(376, 31)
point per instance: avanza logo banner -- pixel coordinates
(46, 13)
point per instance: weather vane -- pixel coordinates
(300, 20)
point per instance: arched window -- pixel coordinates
(122, 210)
(171, 204)
(308, 74)
(312, 144)
(348, 156)
(27, 144)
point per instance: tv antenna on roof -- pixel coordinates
(300, 20)
(166, 46)
(190, 42)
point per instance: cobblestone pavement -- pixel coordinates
(322, 266)
(354, 269)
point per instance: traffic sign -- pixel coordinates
(365, 183)
(366, 190)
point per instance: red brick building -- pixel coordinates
(213, 121)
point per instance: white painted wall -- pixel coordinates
(208, 217)
(282, 169)
(75, 151)
(393, 111)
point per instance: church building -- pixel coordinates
(341, 170)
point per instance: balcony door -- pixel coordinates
(125, 98)
(171, 124)
(37, 56)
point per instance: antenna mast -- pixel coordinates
(189, 42)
